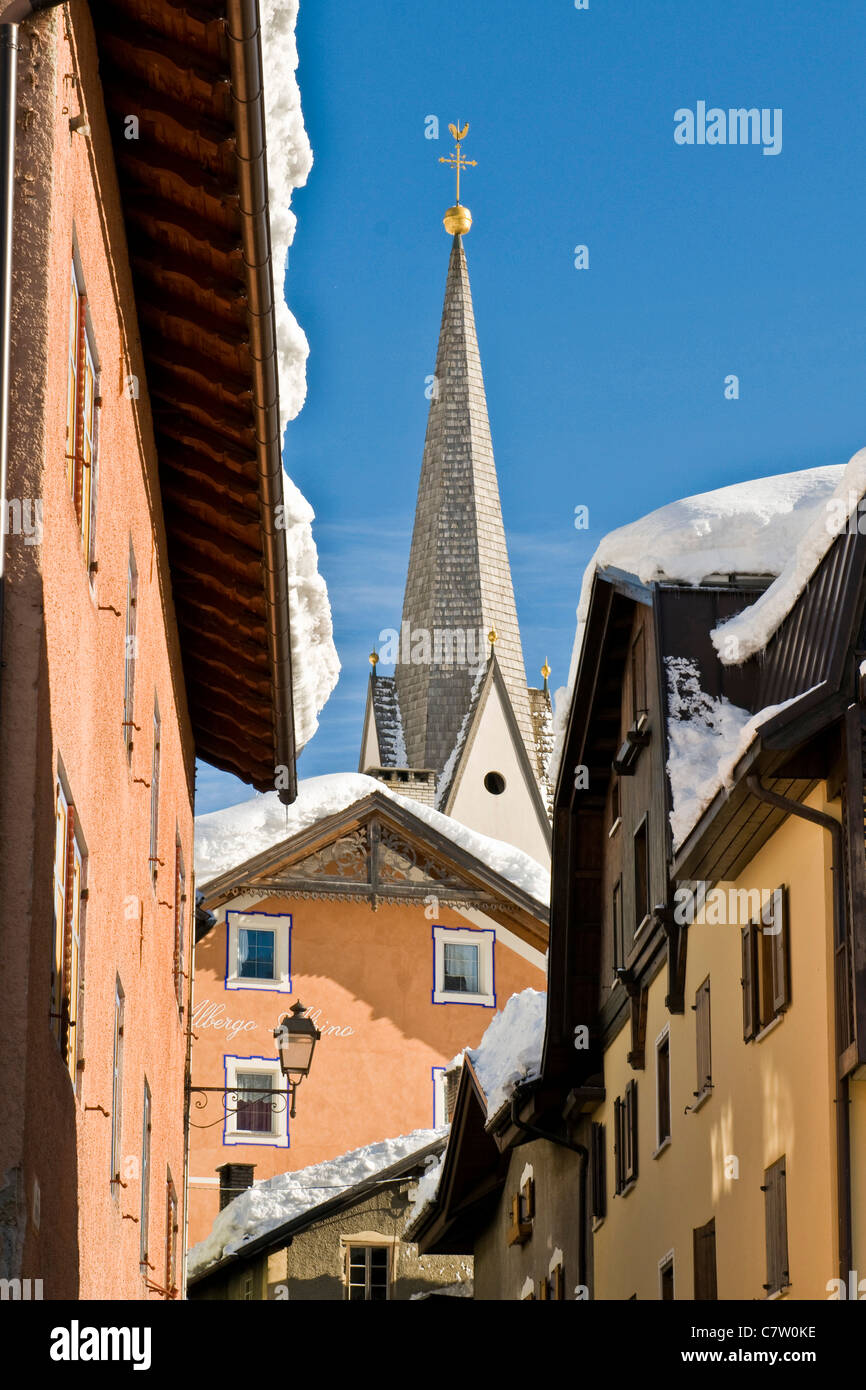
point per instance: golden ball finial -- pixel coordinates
(374, 660)
(457, 220)
(545, 670)
(493, 637)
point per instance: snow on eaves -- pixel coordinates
(315, 663)
(510, 1050)
(270, 1204)
(451, 761)
(749, 632)
(508, 1054)
(707, 737)
(224, 839)
(748, 528)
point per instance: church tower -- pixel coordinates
(456, 725)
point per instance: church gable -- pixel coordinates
(492, 785)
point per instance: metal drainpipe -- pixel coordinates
(843, 1119)
(583, 1155)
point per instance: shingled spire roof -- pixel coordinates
(459, 577)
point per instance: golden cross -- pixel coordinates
(457, 160)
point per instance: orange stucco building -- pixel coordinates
(122, 380)
(400, 941)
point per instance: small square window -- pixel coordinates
(463, 966)
(258, 951)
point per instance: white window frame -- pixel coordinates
(439, 1119)
(666, 1260)
(484, 939)
(281, 925)
(261, 1066)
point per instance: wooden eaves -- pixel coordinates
(194, 193)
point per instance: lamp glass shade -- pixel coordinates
(296, 1051)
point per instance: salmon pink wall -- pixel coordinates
(370, 974)
(63, 707)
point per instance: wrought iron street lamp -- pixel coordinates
(296, 1038)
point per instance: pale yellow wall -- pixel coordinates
(770, 1097)
(512, 815)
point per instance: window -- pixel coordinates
(172, 1228)
(154, 797)
(625, 1137)
(368, 1273)
(663, 1089)
(766, 977)
(81, 401)
(638, 677)
(117, 1088)
(641, 876)
(255, 1112)
(248, 1288)
(460, 968)
(146, 1124)
(522, 1209)
(66, 973)
(463, 966)
(495, 783)
(179, 916)
(130, 652)
(259, 948)
(598, 1170)
(704, 1239)
(257, 1104)
(776, 1227)
(701, 1007)
(618, 932)
(666, 1279)
(556, 1284)
(256, 954)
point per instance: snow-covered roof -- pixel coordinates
(510, 1050)
(509, 1053)
(315, 664)
(273, 1203)
(776, 526)
(226, 839)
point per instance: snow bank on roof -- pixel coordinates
(272, 1203)
(315, 663)
(707, 737)
(225, 839)
(750, 631)
(510, 1051)
(747, 528)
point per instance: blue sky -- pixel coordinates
(605, 386)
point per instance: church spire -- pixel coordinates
(459, 584)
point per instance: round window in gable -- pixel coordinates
(495, 783)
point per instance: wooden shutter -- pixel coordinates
(631, 1130)
(70, 956)
(704, 1240)
(618, 1146)
(599, 1185)
(776, 1226)
(748, 981)
(702, 1038)
(663, 1088)
(781, 958)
